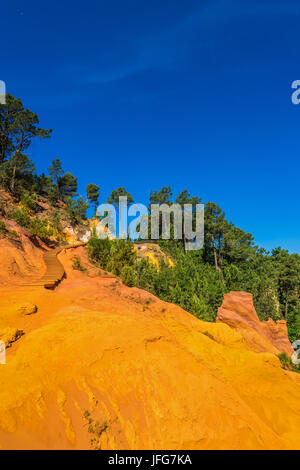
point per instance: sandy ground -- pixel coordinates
(101, 365)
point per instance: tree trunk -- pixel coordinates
(21, 143)
(215, 254)
(286, 305)
(220, 255)
(184, 243)
(12, 184)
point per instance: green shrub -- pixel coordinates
(128, 276)
(121, 254)
(2, 227)
(99, 251)
(287, 363)
(76, 210)
(41, 228)
(29, 200)
(113, 255)
(77, 264)
(95, 429)
(56, 221)
(13, 234)
(9, 233)
(37, 227)
(20, 216)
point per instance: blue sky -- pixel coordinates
(193, 94)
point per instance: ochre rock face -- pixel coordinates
(238, 311)
(153, 253)
(16, 263)
(145, 373)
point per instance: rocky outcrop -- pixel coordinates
(153, 253)
(26, 308)
(95, 225)
(19, 257)
(238, 312)
(10, 335)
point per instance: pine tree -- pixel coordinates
(55, 170)
(67, 185)
(92, 191)
(214, 229)
(116, 193)
(18, 127)
(164, 196)
(185, 198)
(18, 164)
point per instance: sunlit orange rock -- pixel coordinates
(19, 257)
(238, 311)
(102, 365)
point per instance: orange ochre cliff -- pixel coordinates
(96, 364)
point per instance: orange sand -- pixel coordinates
(154, 376)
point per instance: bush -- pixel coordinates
(56, 221)
(20, 216)
(287, 363)
(2, 227)
(99, 251)
(28, 200)
(41, 228)
(128, 276)
(13, 234)
(76, 210)
(37, 227)
(77, 264)
(121, 255)
(9, 233)
(111, 255)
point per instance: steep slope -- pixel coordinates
(19, 256)
(105, 366)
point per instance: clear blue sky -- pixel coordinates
(191, 94)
